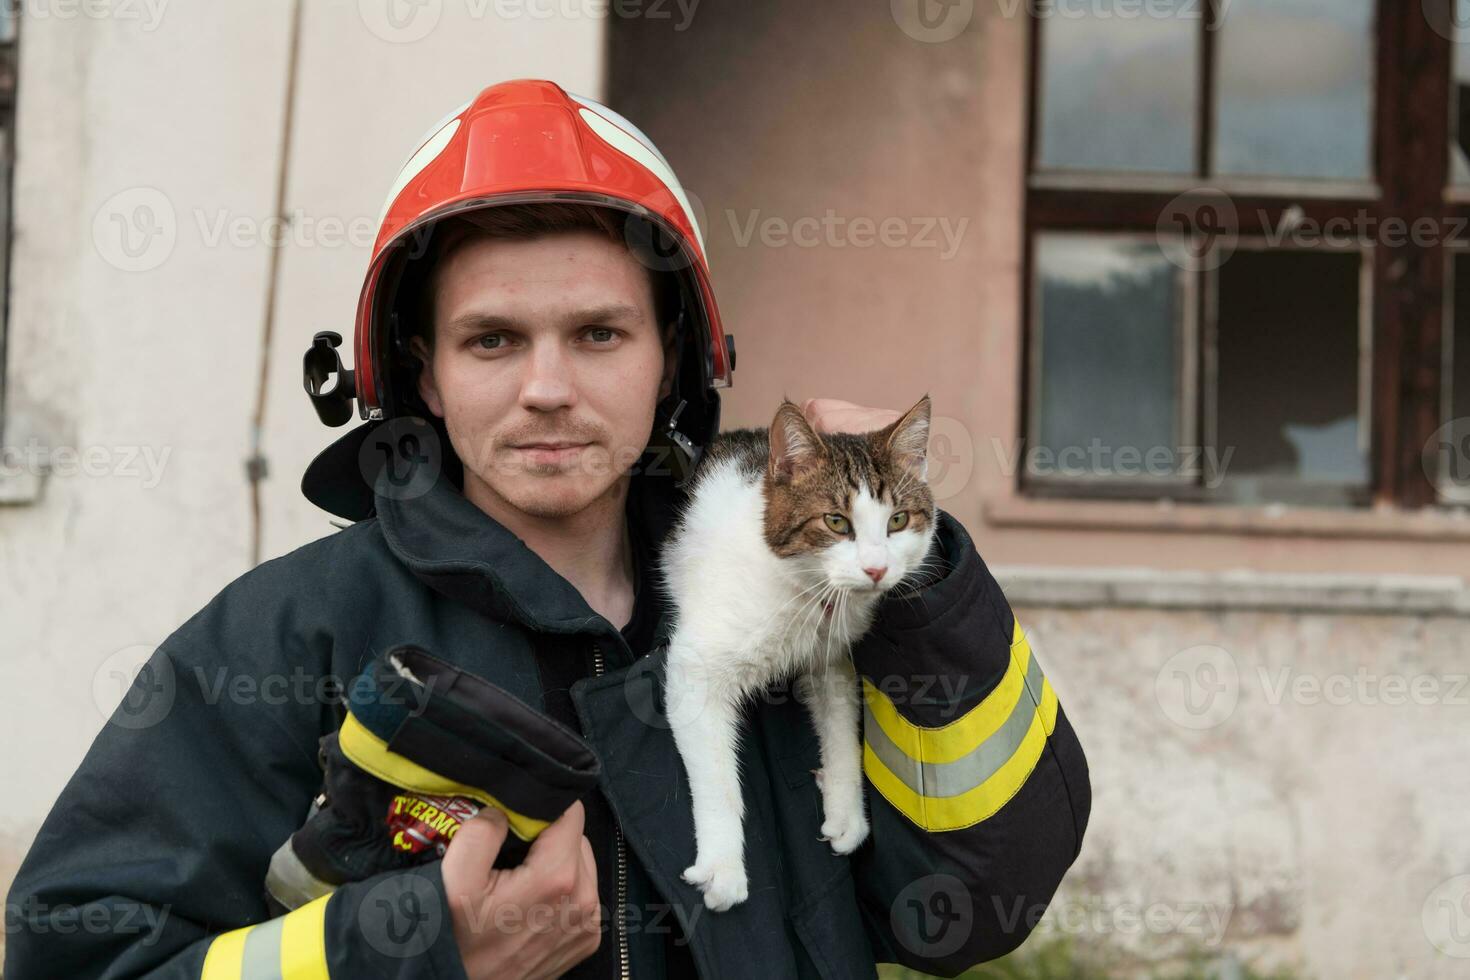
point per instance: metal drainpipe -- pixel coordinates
(256, 468)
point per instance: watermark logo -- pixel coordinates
(133, 688)
(1198, 687)
(136, 229)
(402, 458)
(1199, 229)
(933, 917)
(401, 916)
(400, 21)
(932, 21)
(1447, 18)
(1446, 460)
(1446, 917)
(149, 13)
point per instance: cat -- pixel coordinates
(774, 568)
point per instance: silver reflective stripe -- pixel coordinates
(262, 960)
(940, 779)
(289, 882)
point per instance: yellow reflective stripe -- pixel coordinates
(924, 751)
(372, 754)
(958, 738)
(225, 956)
(293, 947)
(304, 942)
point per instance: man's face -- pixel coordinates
(547, 366)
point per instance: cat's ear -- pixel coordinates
(907, 439)
(795, 447)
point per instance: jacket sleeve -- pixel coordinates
(153, 859)
(977, 788)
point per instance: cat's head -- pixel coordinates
(856, 509)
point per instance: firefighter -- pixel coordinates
(543, 230)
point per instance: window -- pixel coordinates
(1244, 223)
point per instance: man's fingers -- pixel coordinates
(558, 842)
(472, 852)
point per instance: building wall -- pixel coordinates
(1314, 828)
(148, 363)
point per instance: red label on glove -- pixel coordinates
(421, 822)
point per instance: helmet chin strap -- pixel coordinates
(670, 446)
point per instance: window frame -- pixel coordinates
(1409, 152)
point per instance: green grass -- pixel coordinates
(1064, 959)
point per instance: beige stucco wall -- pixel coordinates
(148, 364)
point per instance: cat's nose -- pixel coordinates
(876, 574)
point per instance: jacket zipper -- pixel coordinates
(623, 966)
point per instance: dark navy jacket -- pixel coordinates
(152, 861)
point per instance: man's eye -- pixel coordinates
(490, 341)
(602, 335)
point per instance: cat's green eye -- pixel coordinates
(898, 521)
(836, 523)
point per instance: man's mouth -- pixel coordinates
(550, 452)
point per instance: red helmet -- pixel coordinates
(518, 142)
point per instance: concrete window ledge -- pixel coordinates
(22, 481)
(1432, 525)
(1029, 585)
(18, 486)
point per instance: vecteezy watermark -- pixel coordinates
(832, 230)
(652, 918)
(402, 458)
(1198, 687)
(149, 13)
(1449, 19)
(933, 916)
(1446, 460)
(115, 918)
(406, 21)
(1446, 917)
(134, 687)
(138, 228)
(936, 21)
(662, 695)
(135, 230)
(37, 459)
(1363, 687)
(1203, 922)
(401, 916)
(1199, 230)
(932, 21)
(1100, 459)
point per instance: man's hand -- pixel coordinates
(830, 415)
(538, 920)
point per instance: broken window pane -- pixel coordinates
(1118, 91)
(1288, 373)
(1109, 313)
(1294, 89)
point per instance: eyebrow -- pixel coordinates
(611, 312)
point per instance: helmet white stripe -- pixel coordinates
(643, 153)
(423, 156)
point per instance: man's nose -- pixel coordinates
(547, 385)
(876, 573)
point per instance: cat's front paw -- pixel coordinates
(722, 881)
(846, 831)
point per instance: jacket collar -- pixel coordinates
(462, 552)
